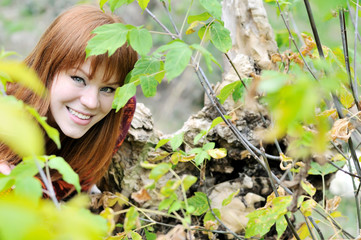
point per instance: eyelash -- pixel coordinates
(78, 79)
(104, 89)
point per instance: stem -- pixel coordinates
(186, 16)
(355, 50)
(309, 228)
(323, 190)
(48, 186)
(347, 59)
(314, 29)
(171, 19)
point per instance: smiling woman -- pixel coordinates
(81, 91)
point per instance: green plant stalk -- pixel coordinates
(182, 187)
(185, 18)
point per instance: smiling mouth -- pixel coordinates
(78, 114)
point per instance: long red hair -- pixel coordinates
(62, 47)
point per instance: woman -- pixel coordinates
(81, 94)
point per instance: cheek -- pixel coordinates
(107, 105)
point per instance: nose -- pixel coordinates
(90, 98)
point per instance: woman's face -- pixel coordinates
(77, 102)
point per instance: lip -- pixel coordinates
(78, 120)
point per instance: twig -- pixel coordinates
(314, 29)
(47, 185)
(347, 59)
(171, 19)
(355, 50)
(353, 21)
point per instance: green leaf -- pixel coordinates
(308, 187)
(170, 187)
(131, 219)
(18, 129)
(229, 199)
(204, 33)
(52, 132)
(5, 54)
(149, 85)
(24, 75)
(165, 204)
(213, 7)
(135, 236)
(209, 146)
(209, 216)
(29, 187)
(27, 168)
(307, 207)
(327, 168)
(175, 206)
(66, 171)
(199, 202)
(6, 183)
(272, 81)
(228, 90)
(199, 136)
(150, 235)
(114, 4)
(143, 4)
(161, 143)
(200, 17)
(140, 40)
(123, 94)
(176, 60)
(159, 171)
(148, 66)
(208, 57)
(199, 159)
(188, 181)
(108, 38)
(176, 141)
(239, 91)
(220, 37)
(281, 225)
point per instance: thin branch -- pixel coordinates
(347, 59)
(171, 19)
(314, 29)
(353, 21)
(160, 23)
(355, 50)
(50, 189)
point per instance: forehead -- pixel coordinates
(94, 70)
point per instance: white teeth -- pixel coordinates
(79, 115)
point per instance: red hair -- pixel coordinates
(62, 47)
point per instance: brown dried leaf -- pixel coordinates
(141, 196)
(177, 233)
(309, 45)
(332, 204)
(341, 129)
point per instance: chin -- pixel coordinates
(74, 135)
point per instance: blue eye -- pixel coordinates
(107, 89)
(78, 79)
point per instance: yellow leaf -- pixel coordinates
(285, 159)
(346, 97)
(20, 73)
(191, 28)
(217, 153)
(18, 129)
(308, 187)
(336, 214)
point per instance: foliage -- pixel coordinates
(310, 99)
